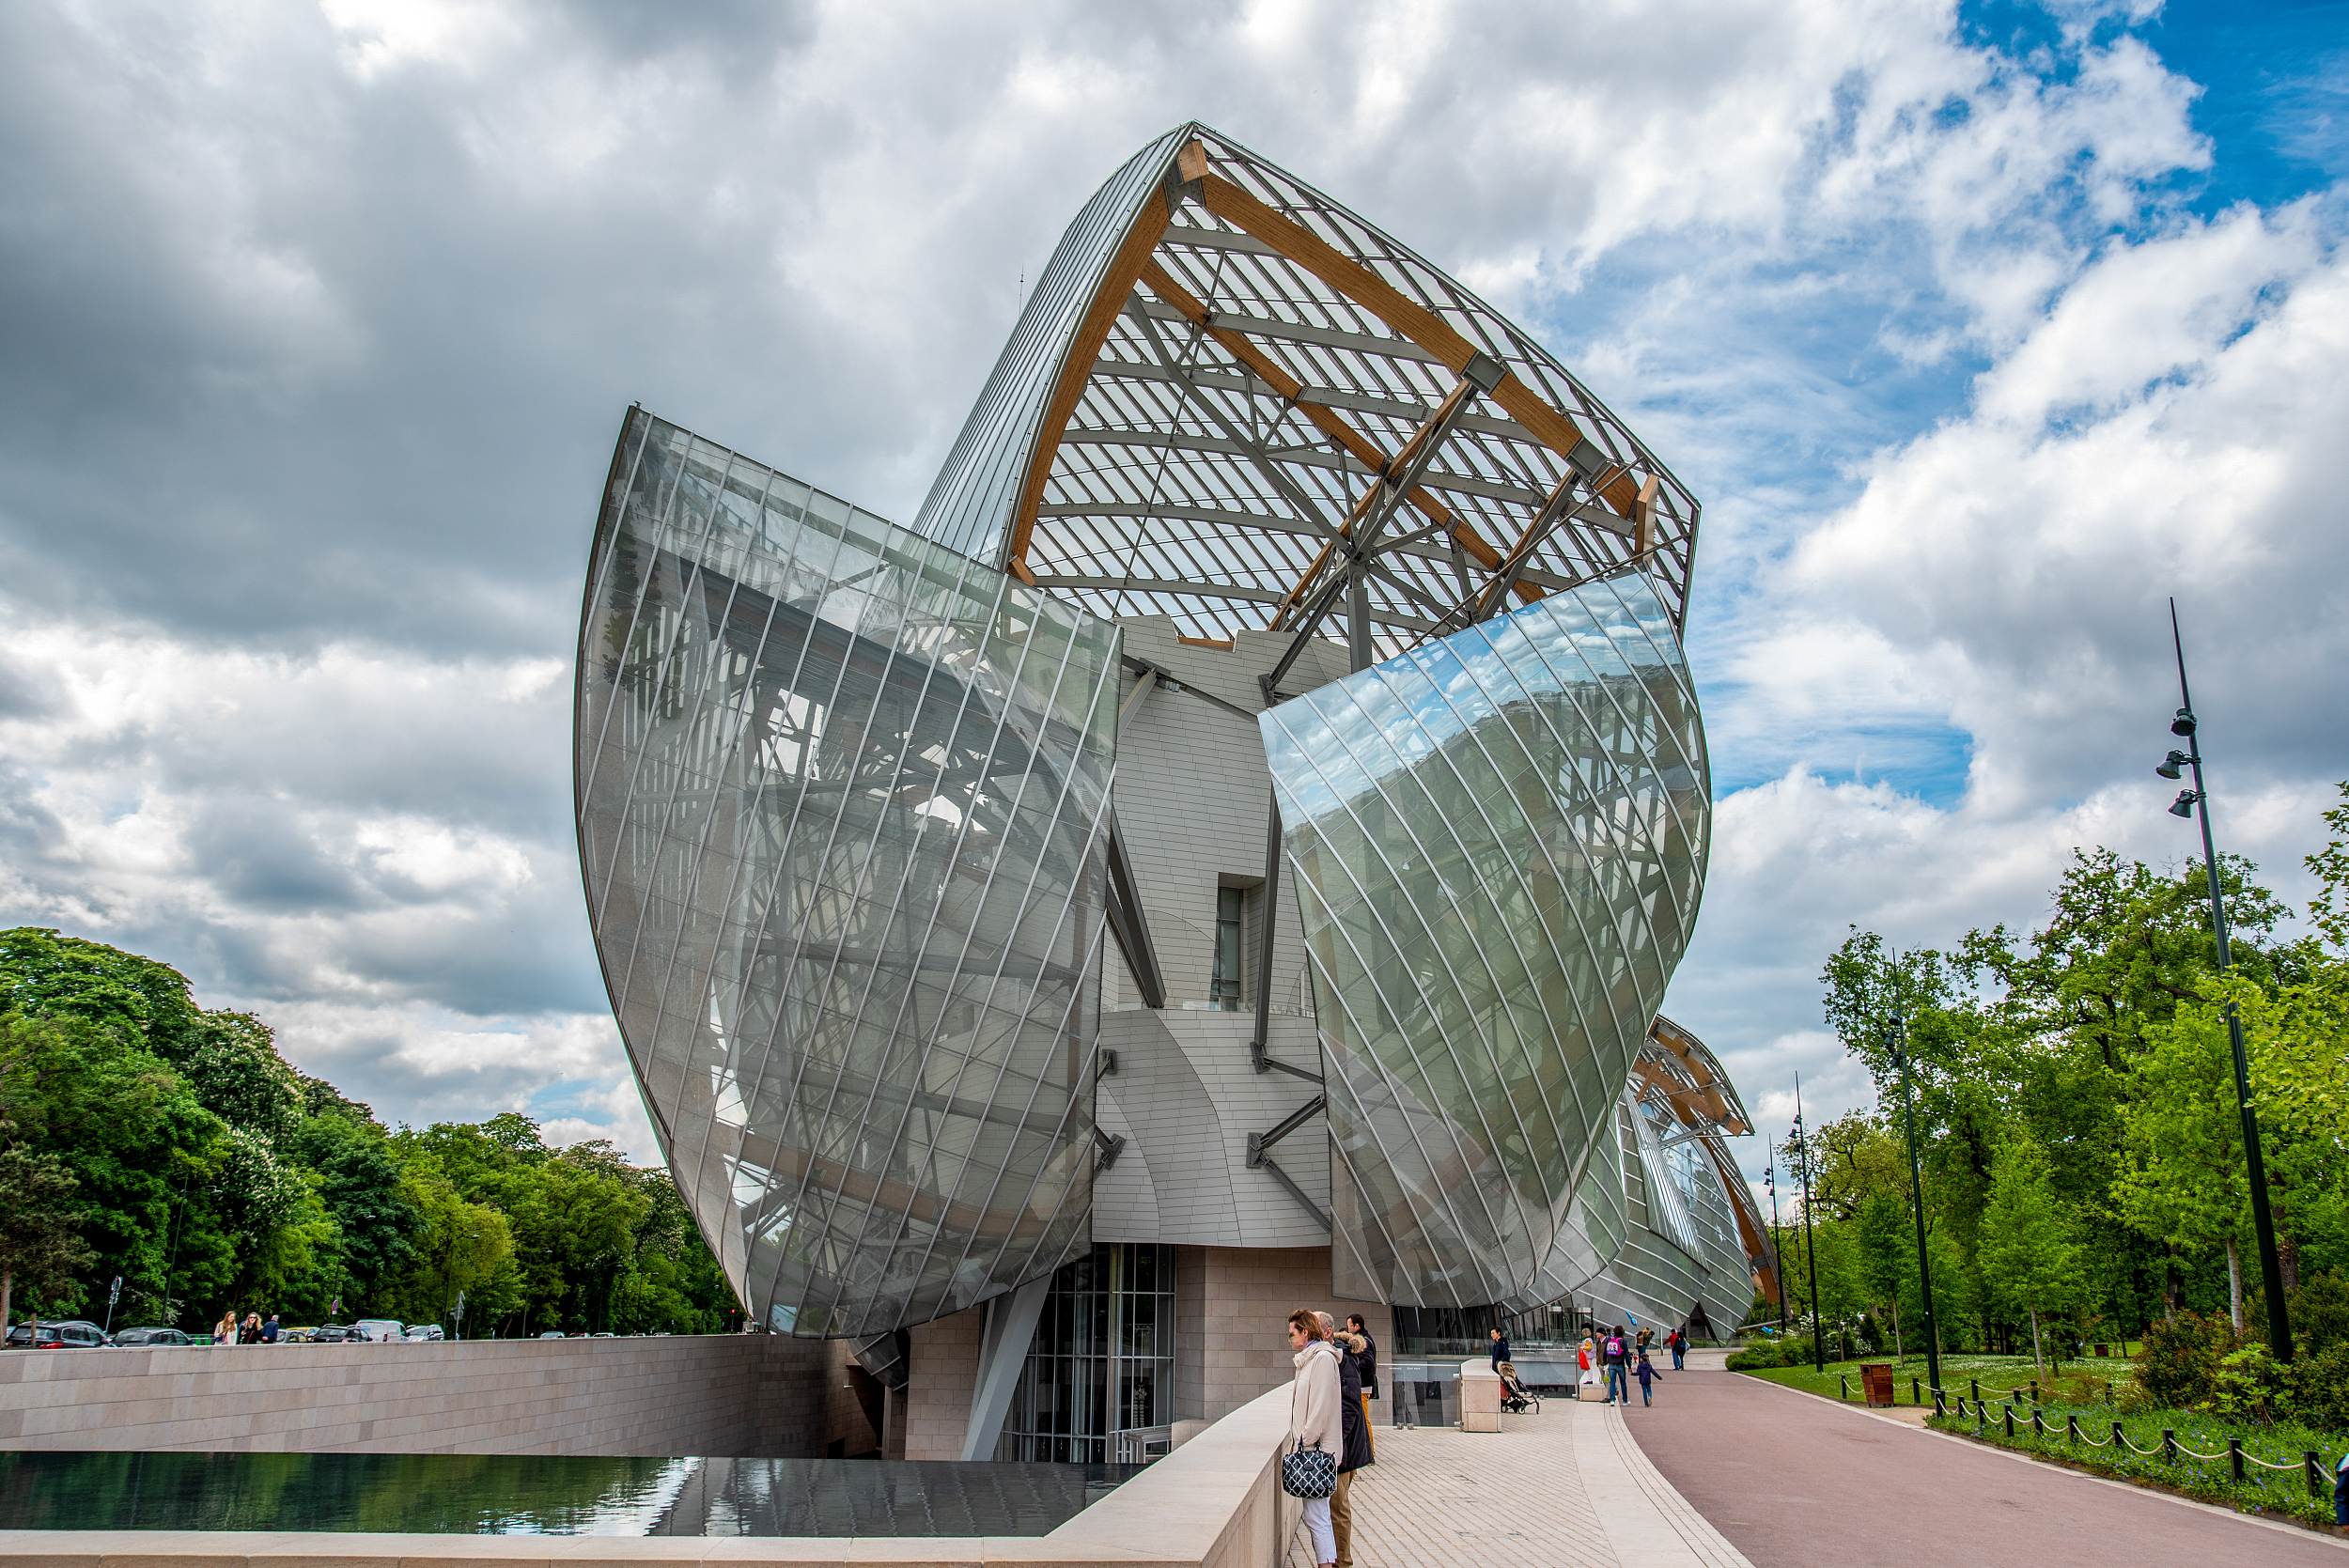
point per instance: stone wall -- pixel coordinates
(1245, 1295)
(719, 1395)
(943, 1375)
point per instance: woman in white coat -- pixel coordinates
(1314, 1416)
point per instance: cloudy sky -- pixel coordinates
(1980, 331)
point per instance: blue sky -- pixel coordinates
(1979, 332)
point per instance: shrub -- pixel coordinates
(2316, 1388)
(1768, 1353)
(2178, 1368)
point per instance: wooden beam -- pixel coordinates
(1366, 288)
(1643, 516)
(1075, 367)
(1268, 370)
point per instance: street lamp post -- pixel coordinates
(1810, 1243)
(1917, 1195)
(1769, 1179)
(2254, 1168)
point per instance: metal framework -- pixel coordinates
(1234, 403)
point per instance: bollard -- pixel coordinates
(1977, 1382)
(2234, 1457)
(2168, 1446)
(1843, 1387)
(2118, 1441)
(2038, 1426)
(2034, 1390)
(2316, 1469)
(1937, 1408)
(2009, 1419)
(1916, 1391)
(2072, 1428)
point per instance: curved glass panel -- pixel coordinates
(1252, 371)
(1499, 843)
(840, 792)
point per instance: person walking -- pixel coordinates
(1586, 1358)
(1646, 1375)
(1499, 1347)
(1354, 1438)
(1679, 1341)
(1616, 1352)
(1314, 1399)
(1366, 1366)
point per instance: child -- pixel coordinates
(1646, 1375)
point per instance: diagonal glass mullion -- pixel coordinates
(962, 961)
(919, 951)
(1469, 733)
(851, 1027)
(1370, 970)
(1474, 734)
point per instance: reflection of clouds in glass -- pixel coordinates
(1498, 841)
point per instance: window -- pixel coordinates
(1223, 986)
(1102, 1362)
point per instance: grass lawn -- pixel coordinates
(1959, 1373)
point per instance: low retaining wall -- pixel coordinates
(1215, 1502)
(717, 1394)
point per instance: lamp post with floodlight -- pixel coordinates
(2254, 1168)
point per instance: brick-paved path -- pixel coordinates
(1798, 1482)
(1567, 1487)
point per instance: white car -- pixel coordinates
(379, 1330)
(421, 1333)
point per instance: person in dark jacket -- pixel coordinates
(1679, 1341)
(1354, 1450)
(1646, 1375)
(1367, 1363)
(1615, 1349)
(1499, 1348)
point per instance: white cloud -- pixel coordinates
(321, 320)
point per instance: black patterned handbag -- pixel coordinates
(1308, 1472)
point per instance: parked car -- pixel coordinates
(379, 1330)
(292, 1335)
(422, 1334)
(152, 1338)
(333, 1333)
(552, 1334)
(71, 1334)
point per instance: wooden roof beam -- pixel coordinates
(1405, 316)
(1268, 370)
(1075, 367)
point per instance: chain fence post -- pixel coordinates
(2235, 1458)
(2119, 1441)
(2034, 1390)
(1977, 1382)
(1843, 1387)
(2313, 1469)
(2072, 1427)
(2168, 1446)
(2009, 1408)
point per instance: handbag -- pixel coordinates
(1308, 1472)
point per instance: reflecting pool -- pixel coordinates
(516, 1495)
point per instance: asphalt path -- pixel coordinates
(1798, 1482)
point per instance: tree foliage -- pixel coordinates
(143, 1136)
(2080, 1128)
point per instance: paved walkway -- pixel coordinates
(1568, 1488)
(1798, 1482)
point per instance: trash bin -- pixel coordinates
(1876, 1379)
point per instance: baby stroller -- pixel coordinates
(1515, 1397)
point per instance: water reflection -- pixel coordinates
(513, 1495)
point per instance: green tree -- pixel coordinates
(2029, 1258)
(361, 1181)
(238, 1075)
(2185, 1181)
(40, 1240)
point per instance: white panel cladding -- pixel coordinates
(1192, 796)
